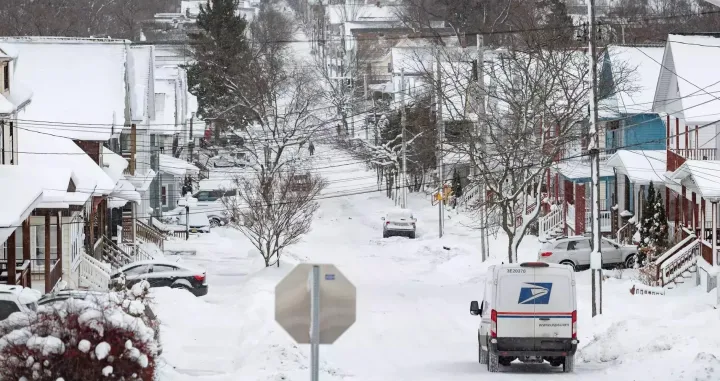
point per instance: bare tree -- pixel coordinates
(274, 212)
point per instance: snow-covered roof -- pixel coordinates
(142, 180)
(578, 170)
(340, 13)
(47, 151)
(142, 82)
(689, 61)
(124, 191)
(191, 8)
(176, 167)
(113, 164)
(701, 177)
(638, 68)
(8, 52)
(640, 166)
(20, 193)
(77, 82)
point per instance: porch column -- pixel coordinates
(59, 244)
(683, 207)
(133, 223)
(694, 212)
(11, 257)
(47, 252)
(703, 215)
(677, 209)
(714, 233)
(26, 247)
(667, 201)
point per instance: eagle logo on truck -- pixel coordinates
(535, 293)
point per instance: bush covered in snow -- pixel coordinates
(105, 336)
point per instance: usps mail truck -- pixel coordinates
(528, 313)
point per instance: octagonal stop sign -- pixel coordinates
(337, 303)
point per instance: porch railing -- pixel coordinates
(625, 234)
(674, 262)
(528, 210)
(469, 196)
(605, 220)
(92, 273)
(548, 223)
(24, 274)
(110, 252)
(150, 234)
(55, 275)
(696, 154)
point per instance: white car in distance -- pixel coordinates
(399, 222)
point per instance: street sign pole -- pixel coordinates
(315, 324)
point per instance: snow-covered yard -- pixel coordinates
(413, 318)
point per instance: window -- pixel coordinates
(203, 196)
(579, 245)
(6, 76)
(605, 245)
(163, 268)
(164, 195)
(137, 270)
(7, 308)
(561, 246)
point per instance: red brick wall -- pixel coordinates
(580, 209)
(91, 148)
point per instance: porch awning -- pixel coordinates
(123, 193)
(578, 171)
(640, 166)
(20, 193)
(176, 167)
(701, 177)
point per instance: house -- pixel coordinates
(685, 94)
(105, 86)
(633, 132)
(14, 97)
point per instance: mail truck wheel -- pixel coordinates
(569, 364)
(482, 355)
(493, 362)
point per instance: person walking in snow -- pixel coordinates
(311, 148)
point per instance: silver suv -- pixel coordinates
(575, 251)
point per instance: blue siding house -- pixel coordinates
(627, 83)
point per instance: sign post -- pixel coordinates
(315, 304)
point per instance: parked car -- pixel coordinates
(541, 327)
(17, 299)
(399, 222)
(198, 221)
(164, 274)
(575, 252)
(210, 201)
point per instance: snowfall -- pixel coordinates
(413, 296)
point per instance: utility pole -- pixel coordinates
(191, 144)
(403, 122)
(440, 132)
(596, 255)
(480, 135)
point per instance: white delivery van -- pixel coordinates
(529, 313)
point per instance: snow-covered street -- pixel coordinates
(413, 297)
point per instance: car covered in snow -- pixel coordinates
(399, 222)
(17, 299)
(575, 252)
(163, 274)
(178, 218)
(528, 313)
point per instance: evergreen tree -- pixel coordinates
(654, 226)
(221, 51)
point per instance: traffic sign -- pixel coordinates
(337, 303)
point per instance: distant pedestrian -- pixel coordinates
(338, 130)
(311, 148)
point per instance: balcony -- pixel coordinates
(696, 154)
